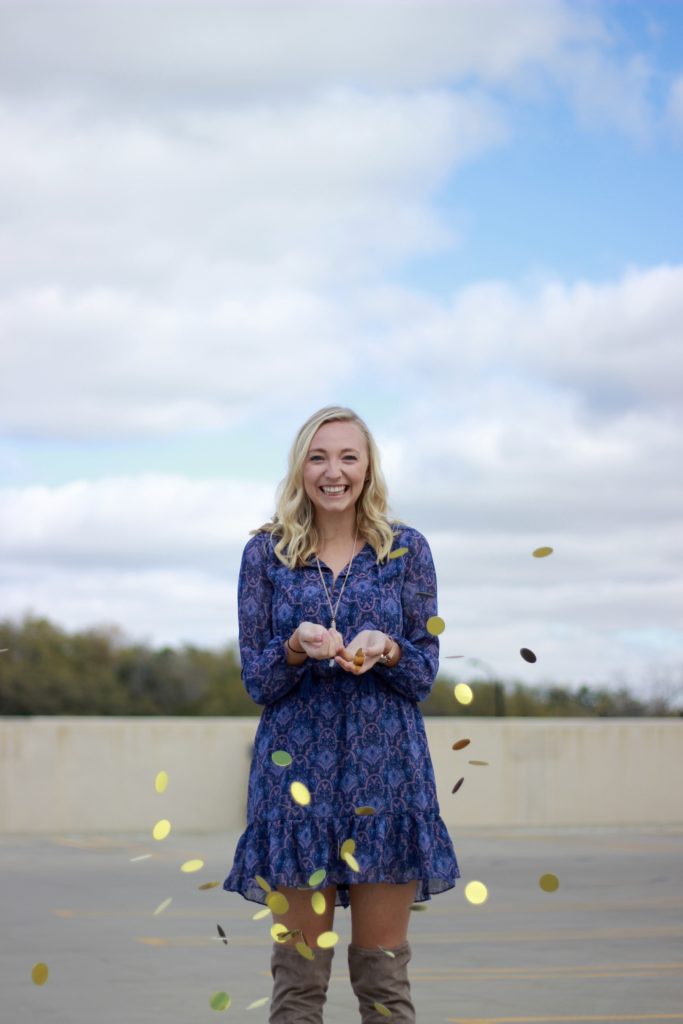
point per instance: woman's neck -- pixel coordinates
(337, 530)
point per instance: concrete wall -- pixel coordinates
(97, 774)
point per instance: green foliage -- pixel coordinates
(98, 671)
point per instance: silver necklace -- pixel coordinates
(333, 611)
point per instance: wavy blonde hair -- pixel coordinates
(294, 520)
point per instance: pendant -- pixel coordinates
(333, 626)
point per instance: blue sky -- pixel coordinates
(462, 219)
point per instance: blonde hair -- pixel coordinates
(294, 520)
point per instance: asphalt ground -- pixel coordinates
(607, 945)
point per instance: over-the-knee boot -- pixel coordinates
(299, 985)
(378, 978)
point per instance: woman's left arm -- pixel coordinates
(418, 665)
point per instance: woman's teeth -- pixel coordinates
(333, 490)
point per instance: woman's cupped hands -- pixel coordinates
(320, 643)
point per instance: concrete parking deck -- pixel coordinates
(606, 946)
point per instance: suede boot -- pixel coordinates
(378, 978)
(299, 985)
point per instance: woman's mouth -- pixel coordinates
(338, 489)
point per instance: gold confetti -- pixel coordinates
(258, 1002)
(359, 658)
(162, 906)
(305, 951)
(383, 1010)
(262, 882)
(143, 856)
(192, 865)
(278, 931)
(260, 914)
(161, 829)
(327, 939)
(476, 893)
(281, 758)
(542, 552)
(208, 885)
(39, 973)
(463, 693)
(220, 1001)
(352, 862)
(418, 907)
(161, 782)
(317, 878)
(458, 784)
(549, 883)
(348, 846)
(435, 625)
(527, 654)
(452, 657)
(398, 552)
(388, 952)
(300, 793)
(318, 903)
(365, 810)
(459, 744)
(277, 903)
(478, 762)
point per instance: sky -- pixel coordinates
(462, 219)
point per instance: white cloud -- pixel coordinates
(675, 108)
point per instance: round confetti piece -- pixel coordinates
(527, 654)
(305, 951)
(143, 856)
(352, 862)
(359, 658)
(418, 907)
(300, 793)
(348, 846)
(549, 883)
(542, 552)
(318, 903)
(39, 973)
(365, 810)
(162, 906)
(383, 1010)
(161, 782)
(452, 657)
(262, 882)
(476, 893)
(192, 865)
(435, 625)
(327, 939)
(222, 934)
(463, 693)
(281, 758)
(459, 744)
(317, 878)
(478, 762)
(220, 1001)
(258, 1002)
(260, 914)
(388, 952)
(208, 885)
(161, 829)
(458, 784)
(277, 932)
(277, 903)
(398, 552)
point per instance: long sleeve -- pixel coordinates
(265, 672)
(416, 671)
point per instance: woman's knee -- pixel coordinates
(309, 914)
(380, 913)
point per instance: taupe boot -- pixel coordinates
(299, 985)
(378, 978)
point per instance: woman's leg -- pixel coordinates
(299, 984)
(379, 917)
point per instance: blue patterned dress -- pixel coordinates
(354, 740)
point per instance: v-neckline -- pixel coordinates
(344, 567)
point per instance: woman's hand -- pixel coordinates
(318, 643)
(372, 642)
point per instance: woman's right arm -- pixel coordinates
(266, 673)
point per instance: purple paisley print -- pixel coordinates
(355, 741)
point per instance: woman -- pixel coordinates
(333, 603)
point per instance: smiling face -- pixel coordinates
(336, 466)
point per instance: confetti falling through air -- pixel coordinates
(549, 883)
(542, 552)
(161, 782)
(527, 654)
(162, 829)
(476, 893)
(39, 973)
(435, 625)
(463, 693)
